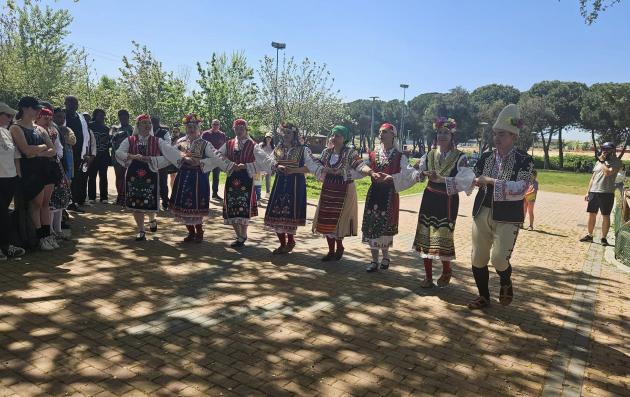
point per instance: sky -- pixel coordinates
(370, 47)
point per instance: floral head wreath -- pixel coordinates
(518, 123)
(143, 117)
(239, 122)
(443, 122)
(191, 118)
(288, 126)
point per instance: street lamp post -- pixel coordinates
(483, 125)
(402, 118)
(374, 98)
(278, 47)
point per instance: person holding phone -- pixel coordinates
(600, 194)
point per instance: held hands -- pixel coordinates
(241, 166)
(285, 170)
(483, 181)
(381, 177)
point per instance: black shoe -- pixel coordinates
(164, 206)
(605, 242)
(329, 257)
(153, 226)
(587, 239)
(216, 197)
(75, 207)
(506, 294)
(339, 254)
(238, 243)
(140, 236)
(372, 267)
(385, 264)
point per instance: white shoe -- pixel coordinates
(53, 241)
(14, 251)
(45, 245)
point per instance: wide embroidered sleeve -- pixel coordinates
(170, 155)
(214, 159)
(122, 153)
(314, 166)
(463, 180)
(357, 167)
(515, 190)
(263, 163)
(407, 177)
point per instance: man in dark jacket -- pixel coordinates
(503, 177)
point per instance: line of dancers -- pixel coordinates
(502, 176)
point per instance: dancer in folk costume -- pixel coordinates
(503, 176)
(190, 197)
(143, 154)
(337, 213)
(380, 217)
(448, 173)
(286, 209)
(239, 204)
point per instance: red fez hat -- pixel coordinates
(239, 122)
(143, 117)
(45, 112)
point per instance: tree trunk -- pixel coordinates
(594, 142)
(545, 144)
(625, 145)
(560, 149)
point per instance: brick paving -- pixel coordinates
(106, 316)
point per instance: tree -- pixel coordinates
(34, 58)
(494, 92)
(489, 100)
(227, 90)
(565, 100)
(111, 97)
(306, 95)
(537, 118)
(421, 129)
(590, 9)
(150, 88)
(606, 112)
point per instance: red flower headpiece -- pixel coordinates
(45, 112)
(239, 122)
(443, 122)
(191, 118)
(518, 123)
(143, 117)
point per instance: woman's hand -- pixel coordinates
(282, 168)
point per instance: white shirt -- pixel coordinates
(8, 154)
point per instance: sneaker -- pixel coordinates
(52, 241)
(587, 239)
(531, 228)
(13, 251)
(153, 225)
(104, 201)
(90, 203)
(141, 236)
(44, 244)
(605, 242)
(75, 207)
(216, 197)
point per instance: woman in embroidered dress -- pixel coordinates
(380, 217)
(448, 173)
(337, 214)
(239, 205)
(287, 203)
(190, 196)
(143, 154)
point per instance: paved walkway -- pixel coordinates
(107, 316)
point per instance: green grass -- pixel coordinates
(563, 182)
(549, 181)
